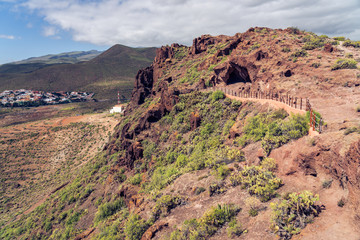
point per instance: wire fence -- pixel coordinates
(316, 122)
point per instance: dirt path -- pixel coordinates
(272, 103)
(276, 104)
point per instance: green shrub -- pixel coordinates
(164, 205)
(199, 190)
(313, 42)
(74, 218)
(216, 188)
(339, 38)
(234, 229)
(269, 164)
(253, 212)
(350, 130)
(285, 49)
(349, 43)
(315, 65)
(149, 149)
(344, 64)
(181, 160)
(180, 52)
(349, 55)
(253, 204)
(327, 183)
(136, 179)
(120, 176)
(135, 227)
(235, 105)
(299, 53)
(217, 95)
(292, 214)
(227, 127)
(207, 225)
(273, 130)
(109, 208)
(341, 202)
(258, 181)
(222, 171)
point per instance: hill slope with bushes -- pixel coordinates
(187, 162)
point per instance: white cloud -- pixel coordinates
(49, 31)
(158, 22)
(10, 37)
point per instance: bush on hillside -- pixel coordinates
(349, 43)
(344, 64)
(109, 208)
(208, 224)
(217, 95)
(258, 181)
(273, 130)
(339, 38)
(293, 213)
(135, 227)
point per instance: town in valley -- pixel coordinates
(29, 98)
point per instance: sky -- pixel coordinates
(30, 28)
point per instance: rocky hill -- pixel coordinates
(107, 73)
(187, 161)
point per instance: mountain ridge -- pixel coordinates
(65, 57)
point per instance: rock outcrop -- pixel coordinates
(143, 85)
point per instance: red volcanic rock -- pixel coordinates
(351, 166)
(133, 152)
(143, 85)
(328, 48)
(164, 53)
(261, 55)
(151, 231)
(201, 44)
(233, 45)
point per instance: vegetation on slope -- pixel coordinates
(103, 195)
(207, 225)
(293, 213)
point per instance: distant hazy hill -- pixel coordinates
(68, 57)
(35, 63)
(111, 71)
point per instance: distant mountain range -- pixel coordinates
(67, 57)
(103, 73)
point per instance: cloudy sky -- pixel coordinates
(31, 28)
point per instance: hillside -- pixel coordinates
(188, 161)
(107, 73)
(67, 57)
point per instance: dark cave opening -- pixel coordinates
(238, 75)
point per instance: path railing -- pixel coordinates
(316, 122)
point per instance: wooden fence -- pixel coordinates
(316, 122)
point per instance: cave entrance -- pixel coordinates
(238, 74)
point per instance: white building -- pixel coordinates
(118, 109)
